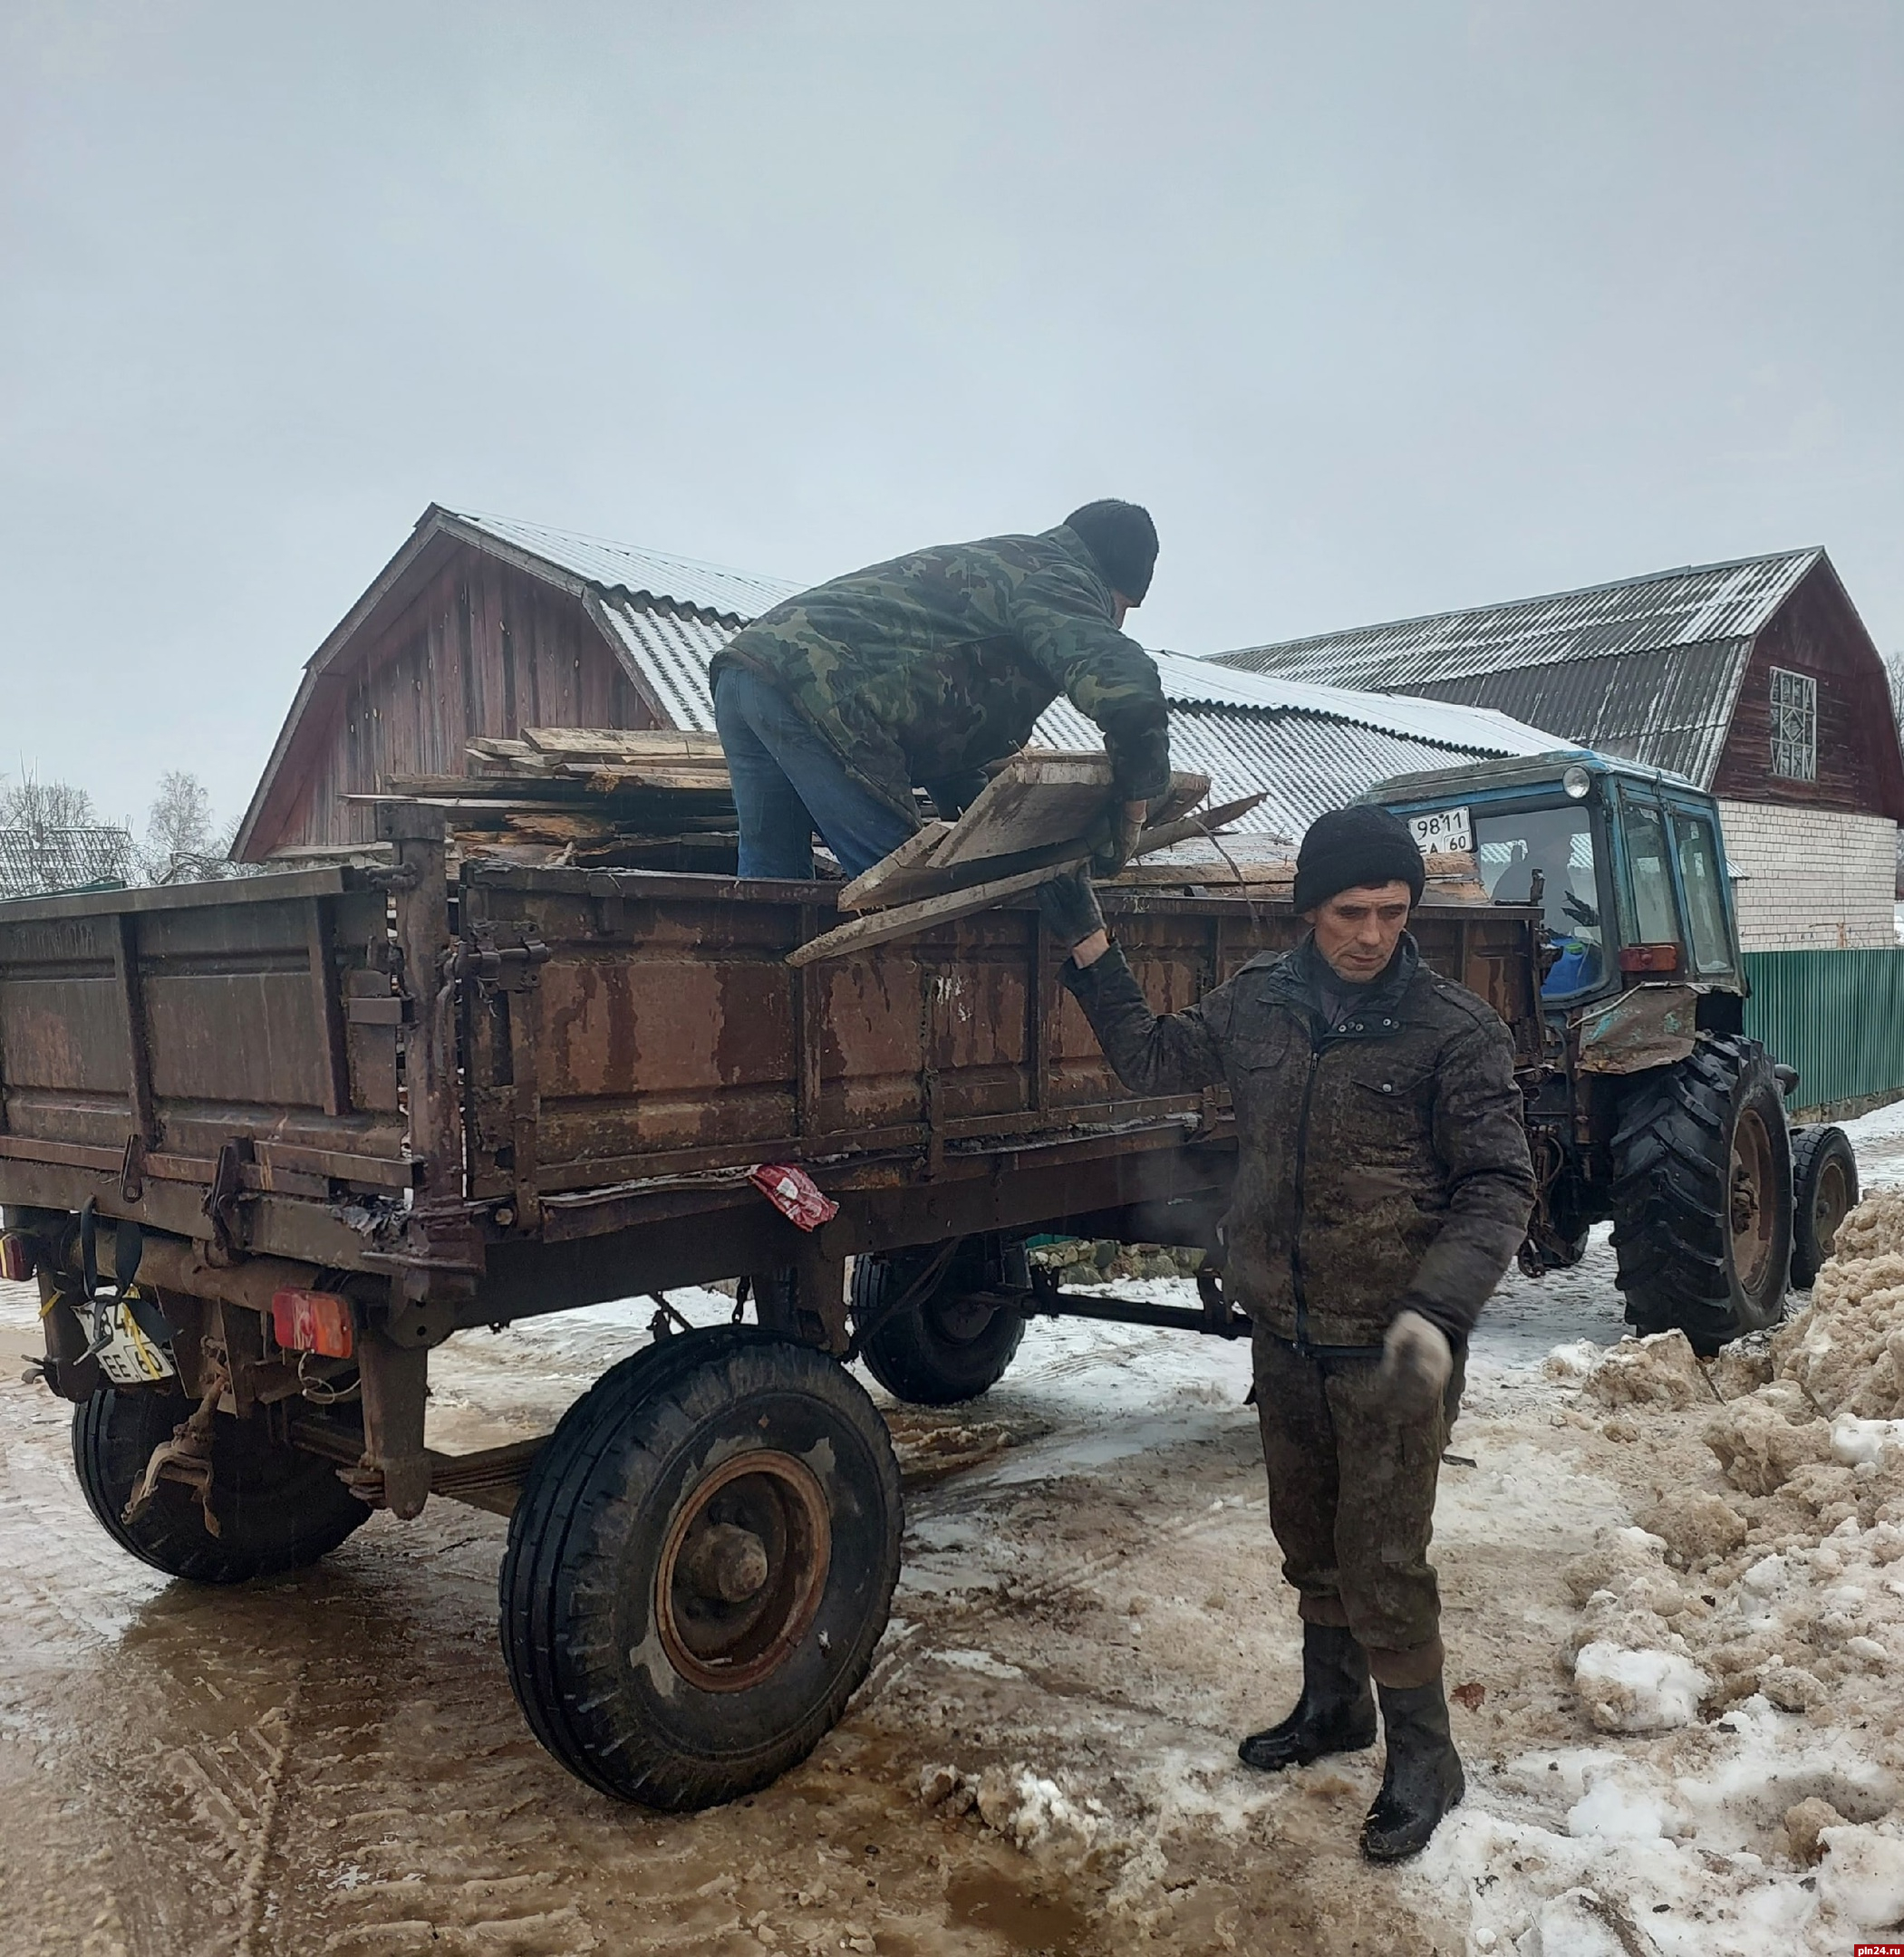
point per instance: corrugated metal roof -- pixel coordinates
(668, 655)
(642, 573)
(1664, 709)
(1647, 668)
(1307, 760)
(1312, 748)
(1666, 610)
(1196, 682)
(35, 863)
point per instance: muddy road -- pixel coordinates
(1089, 1617)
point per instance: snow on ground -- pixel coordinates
(1672, 1606)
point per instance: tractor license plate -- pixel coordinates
(131, 1358)
(1443, 829)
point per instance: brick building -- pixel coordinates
(1755, 679)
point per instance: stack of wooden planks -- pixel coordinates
(600, 797)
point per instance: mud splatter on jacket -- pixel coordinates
(925, 669)
(1382, 1164)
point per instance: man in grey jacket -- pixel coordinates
(1383, 1186)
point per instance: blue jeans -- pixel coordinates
(788, 782)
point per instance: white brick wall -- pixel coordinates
(1810, 879)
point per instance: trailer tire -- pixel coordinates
(699, 1565)
(1824, 1191)
(1702, 1189)
(277, 1509)
(941, 1350)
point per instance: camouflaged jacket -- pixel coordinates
(1382, 1164)
(923, 669)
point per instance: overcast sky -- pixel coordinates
(1382, 309)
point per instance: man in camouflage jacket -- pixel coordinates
(834, 704)
(1383, 1186)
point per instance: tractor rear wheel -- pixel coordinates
(1702, 1195)
(1824, 1191)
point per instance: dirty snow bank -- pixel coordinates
(1742, 1648)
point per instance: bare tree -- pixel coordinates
(40, 808)
(183, 844)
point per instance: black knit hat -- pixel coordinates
(1122, 539)
(1354, 848)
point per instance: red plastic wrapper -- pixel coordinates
(794, 1193)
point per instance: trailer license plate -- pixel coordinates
(1443, 829)
(131, 1359)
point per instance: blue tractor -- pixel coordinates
(1649, 1105)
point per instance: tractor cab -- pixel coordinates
(1626, 862)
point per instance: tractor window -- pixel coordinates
(1556, 844)
(1702, 878)
(1656, 916)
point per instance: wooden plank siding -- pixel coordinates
(479, 648)
(1817, 632)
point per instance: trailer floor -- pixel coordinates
(1089, 1617)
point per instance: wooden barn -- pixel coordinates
(480, 626)
(1755, 679)
(483, 626)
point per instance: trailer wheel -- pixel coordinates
(1702, 1195)
(944, 1348)
(277, 1509)
(1824, 1191)
(700, 1566)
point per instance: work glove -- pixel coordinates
(1417, 1360)
(1114, 837)
(1069, 908)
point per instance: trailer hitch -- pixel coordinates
(186, 1457)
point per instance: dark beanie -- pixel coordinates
(1122, 539)
(1350, 848)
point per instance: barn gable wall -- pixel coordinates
(1815, 631)
(480, 649)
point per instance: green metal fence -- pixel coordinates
(1838, 1016)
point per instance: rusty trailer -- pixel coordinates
(267, 1144)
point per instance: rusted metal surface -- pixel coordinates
(591, 1064)
(147, 1031)
(1650, 1025)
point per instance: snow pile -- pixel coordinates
(1660, 1371)
(1781, 1582)
(1030, 1811)
(1742, 1647)
(1638, 1691)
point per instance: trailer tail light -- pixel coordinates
(312, 1321)
(1649, 958)
(17, 1258)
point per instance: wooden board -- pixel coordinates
(902, 921)
(862, 893)
(1035, 800)
(632, 745)
(893, 881)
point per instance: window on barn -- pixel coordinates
(1795, 725)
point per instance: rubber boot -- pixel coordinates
(1422, 1778)
(1335, 1714)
